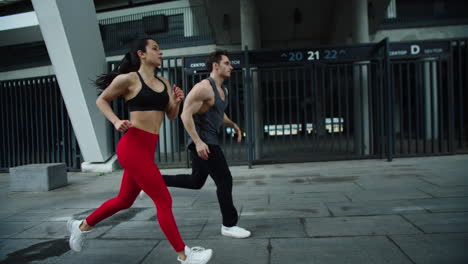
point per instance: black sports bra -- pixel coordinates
(147, 99)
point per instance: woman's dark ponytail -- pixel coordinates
(129, 63)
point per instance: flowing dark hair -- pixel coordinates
(215, 56)
(129, 63)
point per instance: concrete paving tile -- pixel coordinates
(8, 229)
(359, 226)
(229, 251)
(392, 181)
(265, 228)
(285, 211)
(387, 194)
(110, 251)
(50, 230)
(434, 248)
(443, 204)
(307, 198)
(374, 208)
(336, 250)
(443, 192)
(32, 215)
(330, 187)
(440, 222)
(33, 250)
(5, 213)
(151, 230)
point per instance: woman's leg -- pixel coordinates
(127, 195)
(128, 192)
(150, 180)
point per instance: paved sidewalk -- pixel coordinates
(412, 210)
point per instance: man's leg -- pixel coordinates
(219, 171)
(196, 180)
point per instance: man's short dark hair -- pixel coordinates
(215, 56)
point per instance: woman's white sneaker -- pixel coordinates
(196, 255)
(77, 237)
(235, 231)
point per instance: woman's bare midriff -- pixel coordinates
(149, 121)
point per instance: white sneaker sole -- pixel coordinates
(235, 236)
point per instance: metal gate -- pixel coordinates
(318, 104)
(380, 100)
(35, 127)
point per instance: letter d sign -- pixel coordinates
(415, 49)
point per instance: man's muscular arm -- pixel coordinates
(200, 93)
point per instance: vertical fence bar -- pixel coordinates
(298, 110)
(324, 109)
(389, 103)
(340, 114)
(408, 102)
(419, 106)
(440, 107)
(450, 105)
(460, 92)
(401, 114)
(275, 111)
(267, 108)
(238, 108)
(290, 110)
(361, 107)
(3, 110)
(332, 128)
(347, 115)
(248, 100)
(432, 102)
(20, 142)
(283, 137)
(381, 108)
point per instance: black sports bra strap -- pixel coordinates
(141, 78)
(165, 87)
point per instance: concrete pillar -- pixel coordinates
(360, 33)
(70, 31)
(250, 24)
(431, 104)
(250, 37)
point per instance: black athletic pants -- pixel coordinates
(217, 167)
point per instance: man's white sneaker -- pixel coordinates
(235, 231)
(141, 195)
(196, 255)
(77, 237)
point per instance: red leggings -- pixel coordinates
(135, 152)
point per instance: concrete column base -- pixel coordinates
(108, 166)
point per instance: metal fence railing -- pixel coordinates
(381, 100)
(460, 93)
(35, 127)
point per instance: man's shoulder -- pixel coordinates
(203, 86)
(204, 83)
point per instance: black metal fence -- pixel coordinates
(35, 127)
(380, 100)
(459, 74)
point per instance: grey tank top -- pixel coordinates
(209, 123)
